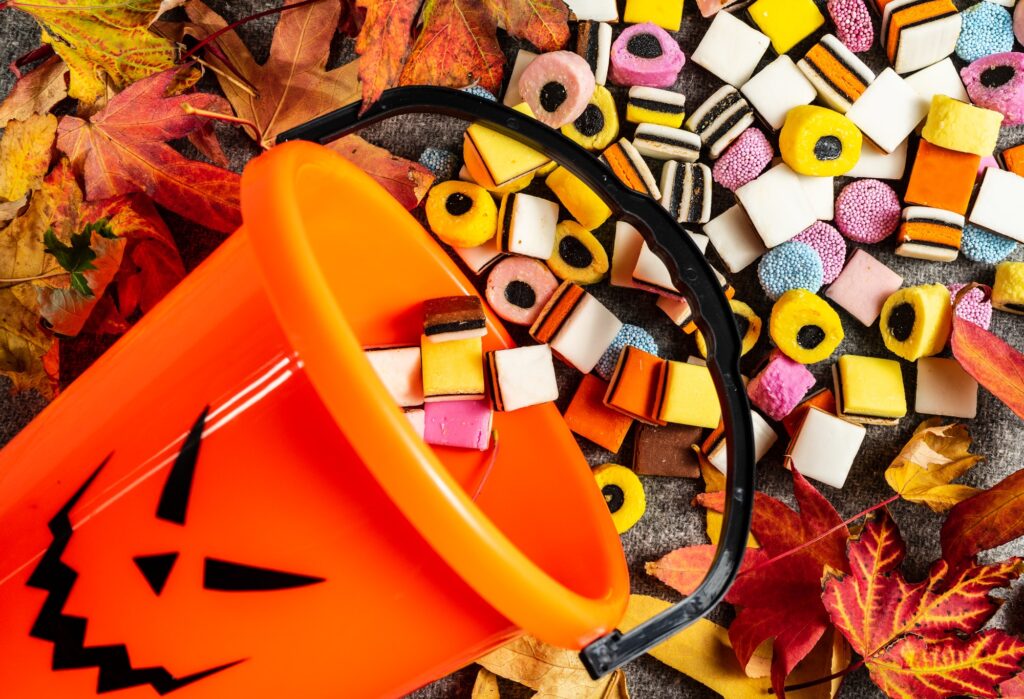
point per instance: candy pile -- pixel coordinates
(915, 145)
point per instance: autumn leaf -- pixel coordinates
(554, 673)
(994, 364)
(36, 92)
(544, 23)
(293, 86)
(1013, 688)
(780, 599)
(102, 41)
(405, 180)
(122, 149)
(703, 652)
(383, 44)
(914, 637)
(456, 47)
(485, 686)
(714, 481)
(25, 152)
(79, 256)
(23, 345)
(685, 568)
(935, 455)
(989, 519)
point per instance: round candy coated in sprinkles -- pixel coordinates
(974, 307)
(867, 211)
(744, 160)
(987, 29)
(792, 265)
(443, 163)
(479, 92)
(853, 24)
(628, 335)
(981, 246)
(830, 246)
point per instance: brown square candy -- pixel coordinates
(667, 451)
(453, 318)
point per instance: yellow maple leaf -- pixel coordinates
(25, 151)
(935, 455)
(105, 43)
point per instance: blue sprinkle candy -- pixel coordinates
(987, 29)
(443, 163)
(481, 92)
(628, 335)
(982, 246)
(792, 265)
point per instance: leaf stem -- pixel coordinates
(821, 536)
(821, 680)
(238, 82)
(22, 280)
(234, 25)
(492, 458)
(189, 109)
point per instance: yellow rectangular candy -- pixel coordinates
(689, 396)
(869, 389)
(962, 127)
(665, 13)
(786, 22)
(452, 370)
(585, 206)
(504, 158)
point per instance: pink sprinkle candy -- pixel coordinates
(973, 308)
(867, 211)
(744, 160)
(853, 24)
(830, 246)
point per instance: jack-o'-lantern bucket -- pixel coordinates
(229, 504)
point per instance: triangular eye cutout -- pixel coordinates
(178, 488)
(156, 569)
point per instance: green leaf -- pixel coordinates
(78, 256)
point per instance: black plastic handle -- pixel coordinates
(690, 273)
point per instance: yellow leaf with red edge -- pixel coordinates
(122, 149)
(920, 639)
(23, 346)
(457, 46)
(934, 456)
(103, 42)
(36, 92)
(383, 44)
(994, 364)
(405, 180)
(544, 23)
(25, 152)
(989, 519)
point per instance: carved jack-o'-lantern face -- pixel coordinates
(68, 632)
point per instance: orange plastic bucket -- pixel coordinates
(228, 503)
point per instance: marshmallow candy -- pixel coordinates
(730, 49)
(776, 205)
(888, 111)
(825, 446)
(521, 377)
(944, 388)
(778, 88)
(400, 371)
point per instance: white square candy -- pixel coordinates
(825, 447)
(735, 239)
(764, 438)
(521, 377)
(523, 59)
(399, 369)
(888, 111)
(821, 195)
(586, 334)
(625, 252)
(776, 205)
(997, 206)
(731, 49)
(651, 273)
(877, 164)
(701, 241)
(596, 10)
(944, 388)
(480, 257)
(418, 419)
(939, 79)
(775, 90)
(526, 225)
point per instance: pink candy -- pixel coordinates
(867, 211)
(647, 55)
(744, 160)
(853, 24)
(465, 424)
(830, 246)
(1018, 22)
(974, 307)
(780, 386)
(996, 82)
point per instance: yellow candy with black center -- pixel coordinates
(747, 322)
(1008, 291)
(578, 256)
(819, 141)
(581, 201)
(624, 494)
(461, 214)
(916, 322)
(805, 327)
(598, 125)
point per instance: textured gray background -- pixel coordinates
(670, 521)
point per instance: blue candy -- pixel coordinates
(987, 29)
(443, 163)
(981, 246)
(792, 265)
(628, 335)
(479, 92)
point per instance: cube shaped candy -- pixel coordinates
(577, 326)
(786, 22)
(735, 239)
(863, 286)
(452, 370)
(453, 318)
(776, 89)
(521, 377)
(918, 33)
(689, 396)
(944, 388)
(636, 385)
(667, 451)
(399, 370)
(591, 419)
(461, 423)
(526, 225)
(825, 447)
(869, 390)
(888, 111)
(997, 204)
(764, 438)
(730, 49)
(776, 205)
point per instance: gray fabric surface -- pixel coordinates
(670, 521)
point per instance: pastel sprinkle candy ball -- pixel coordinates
(744, 160)
(629, 335)
(974, 307)
(792, 265)
(480, 92)
(443, 163)
(987, 29)
(867, 211)
(830, 246)
(982, 246)
(853, 24)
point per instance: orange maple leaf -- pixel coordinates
(383, 44)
